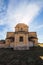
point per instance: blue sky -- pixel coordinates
(29, 12)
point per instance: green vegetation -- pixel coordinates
(23, 57)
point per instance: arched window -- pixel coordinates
(21, 39)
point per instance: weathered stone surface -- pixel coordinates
(20, 38)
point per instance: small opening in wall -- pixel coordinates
(21, 29)
(21, 39)
(12, 39)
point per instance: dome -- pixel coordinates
(21, 24)
(21, 27)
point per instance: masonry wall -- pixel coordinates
(25, 40)
(2, 45)
(34, 34)
(21, 30)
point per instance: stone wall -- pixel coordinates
(21, 30)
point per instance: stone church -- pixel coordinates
(21, 39)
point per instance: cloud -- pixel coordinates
(39, 27)
(23, 12)
(36, 28)
(26, 13)
(40, 39)
(3, 33)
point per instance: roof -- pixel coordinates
(21, 24)
(2, 41)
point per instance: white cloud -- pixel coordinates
(40, 39)
(39, 27)
(1, 3)
(23, 13)
(36, 27)
(3, 33)
(39, 30)
(1, 22)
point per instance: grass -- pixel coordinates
(17, 57)
(40, 44)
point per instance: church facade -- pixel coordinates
(21, 39)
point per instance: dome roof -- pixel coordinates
(21, 24)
